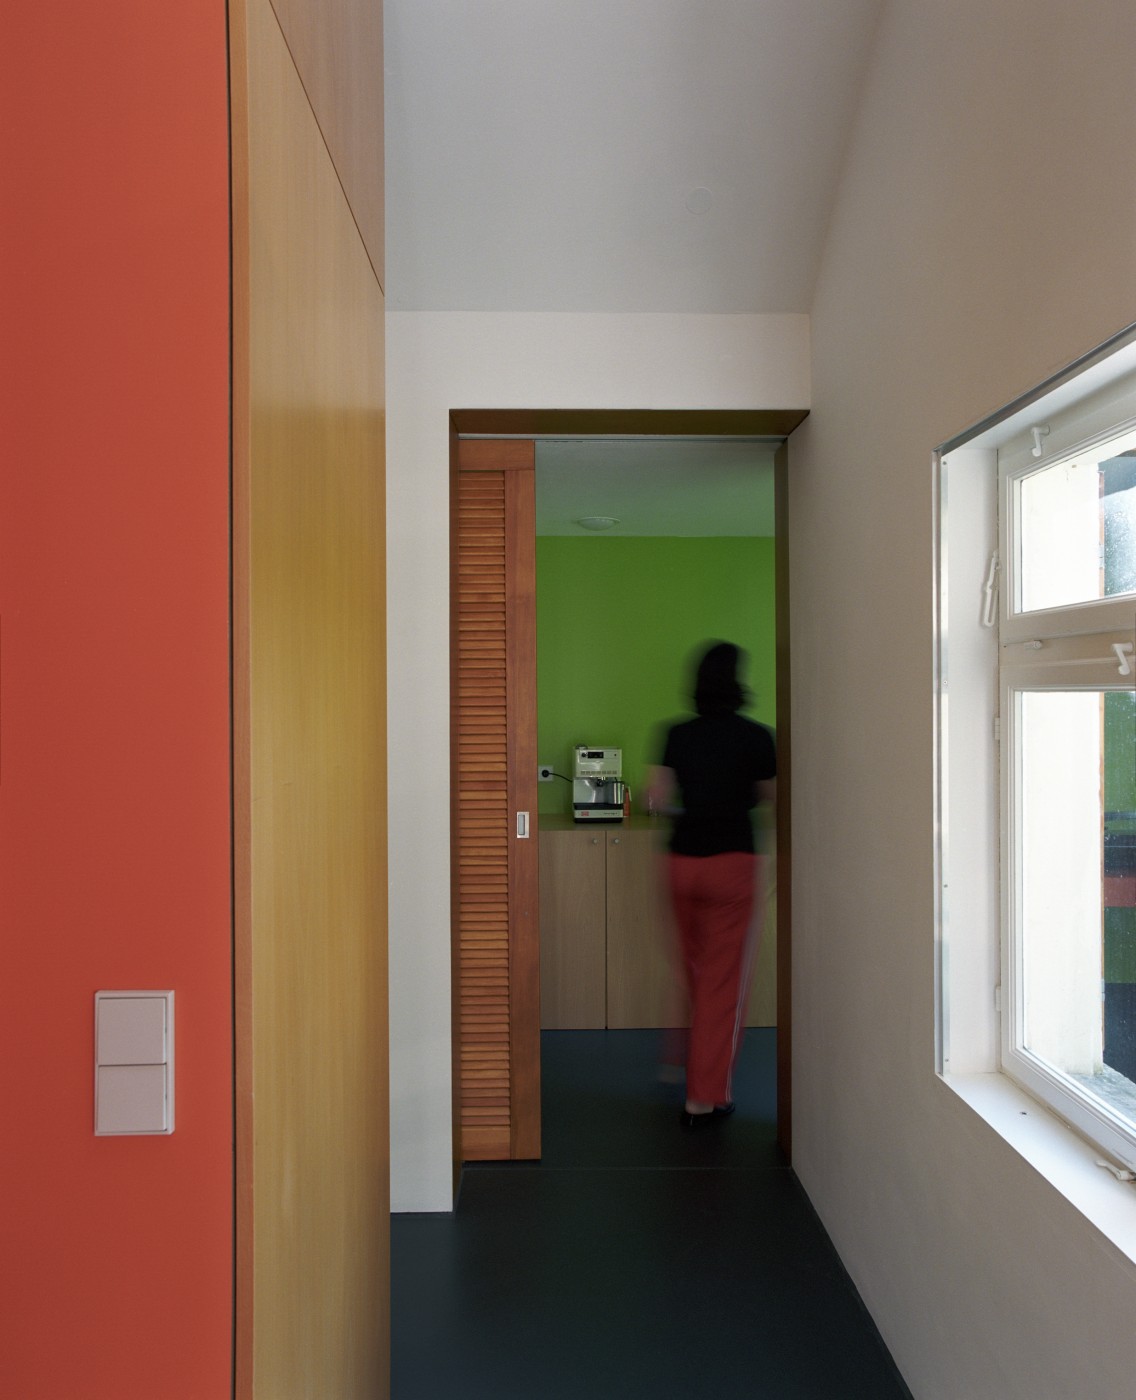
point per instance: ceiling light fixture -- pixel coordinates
(597, 522)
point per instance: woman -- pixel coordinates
(715, 769)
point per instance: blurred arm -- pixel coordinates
(662, 789)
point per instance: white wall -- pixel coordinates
(984, 237)
(437, 362)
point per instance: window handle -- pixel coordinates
(990, 593)
(1123, 652)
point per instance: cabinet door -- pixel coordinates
(644, 983)
(643, 988)
(762, 1009)
(572, 930)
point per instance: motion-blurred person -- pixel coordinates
(714, 771)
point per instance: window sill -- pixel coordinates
(1058, 1154)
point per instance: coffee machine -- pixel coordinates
(597, 786)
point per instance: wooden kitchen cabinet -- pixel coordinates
(607, 939)
(643, 986)
(573, 927)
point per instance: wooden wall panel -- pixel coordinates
(337, 47)
(309, 610)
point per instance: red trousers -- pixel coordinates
(713, 898)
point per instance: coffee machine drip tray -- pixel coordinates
(597, 799)
(593, 812)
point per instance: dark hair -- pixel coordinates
(717, 690)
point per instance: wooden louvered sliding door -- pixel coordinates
(496, 951)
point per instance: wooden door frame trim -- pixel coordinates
(774, 424)
(455, 930)
(240, 572)
(784, 827)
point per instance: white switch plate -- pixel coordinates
(130, 1099)
(131, 1030)
(134, 1063)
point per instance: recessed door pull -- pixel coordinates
(522, 826)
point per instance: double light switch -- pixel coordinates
(134, 1063)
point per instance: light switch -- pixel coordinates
(131, 1099)
(131, 1030)
(134, 1062)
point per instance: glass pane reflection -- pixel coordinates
(1119, 883)
(1077, 883)
(1077, 524)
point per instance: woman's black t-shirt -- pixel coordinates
(717, 760)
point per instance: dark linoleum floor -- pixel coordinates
(634, 1259)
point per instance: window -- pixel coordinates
(1067, 637)
(1037, 722)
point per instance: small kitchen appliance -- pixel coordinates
(597, 787)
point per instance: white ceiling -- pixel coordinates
(620, 156)
(655, 487)
(615, 155)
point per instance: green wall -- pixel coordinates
(617, 621)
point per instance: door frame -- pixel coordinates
(776, 425)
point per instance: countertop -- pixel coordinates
(563, 821)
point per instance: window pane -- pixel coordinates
(1077, 527)
(1119, 885)
(1077, 887)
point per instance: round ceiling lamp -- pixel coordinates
(597, 522)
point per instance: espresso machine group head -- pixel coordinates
(597, 786)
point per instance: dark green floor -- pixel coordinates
(633, 1260)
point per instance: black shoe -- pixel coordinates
(693, 1121)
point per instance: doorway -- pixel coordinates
(646, 548)
(525, 426)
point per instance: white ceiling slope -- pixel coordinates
(615, 155)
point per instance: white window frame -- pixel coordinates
(977, 684)
(1077, 662)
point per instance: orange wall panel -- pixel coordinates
(114, 689)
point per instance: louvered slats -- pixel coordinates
(483, 817)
